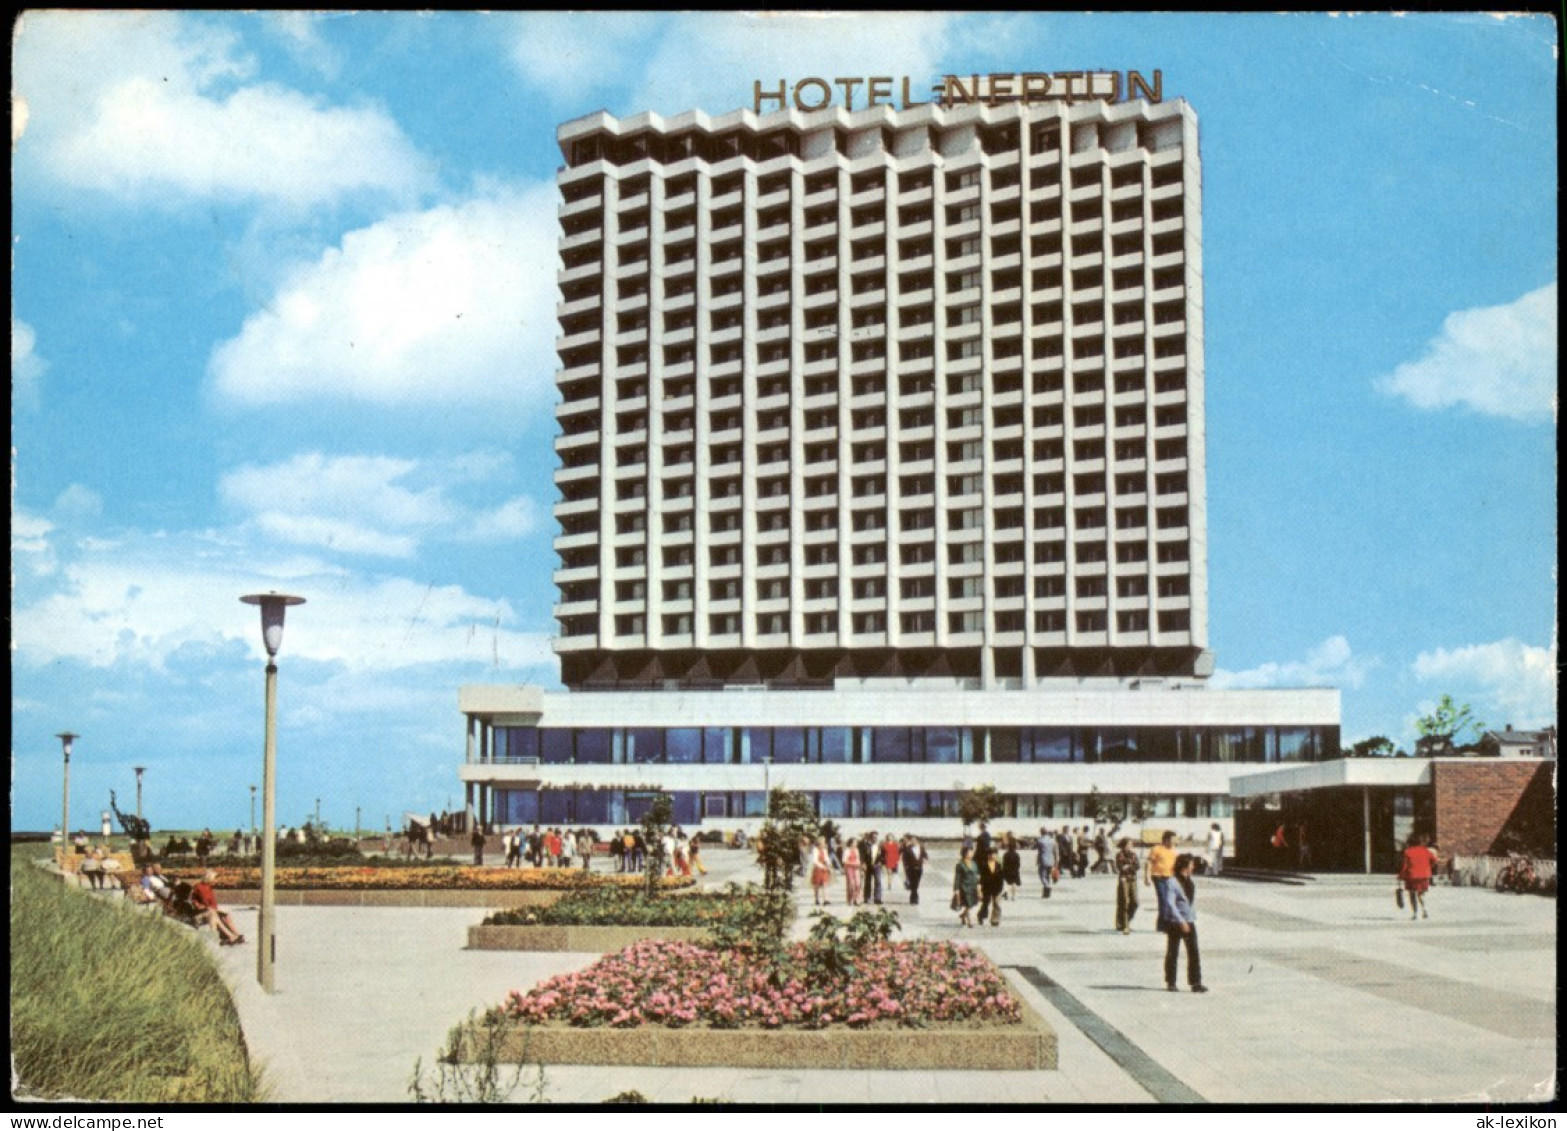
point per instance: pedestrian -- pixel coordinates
(682, 855)
(1046, 853)
(1080, 853)
(92, 869)
(1160, 866)
(477, 840)
(568, 848)
(983, 844)
(821, 871)
(890, 852)
(1302, 848)
(870, 864)
(914, 858)
(991, 886)
(1125, 886)
(1101, 852)
(1215, 848)
(1011, 867)
(1178, 920)
(204, 845)
(1415, 869)
(1064, 856)
(694, 852)
(965, 887)
(852, 878)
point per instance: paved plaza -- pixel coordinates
(1322, 993)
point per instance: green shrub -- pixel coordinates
(736, 913)
(110, 1003)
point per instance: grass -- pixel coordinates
(109, 1003)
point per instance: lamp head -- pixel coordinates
(273, 605)
(66, 738)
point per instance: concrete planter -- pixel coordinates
(1029, 1046)
(601, 940)
(396, 897)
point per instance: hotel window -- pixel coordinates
(677, 624)
(1091, 586)
(1174, 586)
(1174, 620)
(918, 622)
(1131, 586)
(1010, 620)
(677, 590)
(1091, 622)
(633, 624)
(1050, 620)
(723, 624)
(1045, 587)
(1133, 621)
(870, 622)
(819, 623)
(1172, 551)
(965, 622)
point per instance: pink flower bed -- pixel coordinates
(677, 984)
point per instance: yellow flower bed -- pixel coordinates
(447, 878)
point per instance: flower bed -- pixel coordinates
(904, 1005)
(437, 879)
(916, 984)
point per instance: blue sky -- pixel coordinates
(283, 317)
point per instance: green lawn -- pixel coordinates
(111, 1003)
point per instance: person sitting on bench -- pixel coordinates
(207, 910)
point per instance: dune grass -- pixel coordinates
(111, 1003)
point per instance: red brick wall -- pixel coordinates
(1475, 801)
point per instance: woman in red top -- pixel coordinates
(1415, 869)
(206, 901)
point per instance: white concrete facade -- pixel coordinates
(919, 386)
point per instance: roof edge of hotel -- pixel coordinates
(865, 117)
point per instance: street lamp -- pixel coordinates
(139, 771)
(252, 811)
(273, 606)
(66, 738)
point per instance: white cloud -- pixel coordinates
(450, 305)
(710, 59)
(1330, 664)
(1509, 681)
(300, 33)
(148, 597)
(512, 519)
(27, 367)
(77, 501)
(1495, 360)
(148, 106)
(366, 504)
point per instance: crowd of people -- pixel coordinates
(870, 864)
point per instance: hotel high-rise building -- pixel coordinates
(881, 474)
(882, 394)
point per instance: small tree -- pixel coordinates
(1377, 746)
(654, 824)
(979, 805)
(1443, 727)
(789, 820)
(1097, 807)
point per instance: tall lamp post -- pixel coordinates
(139, 771)
(252, 811)
(66, 738)
(273, 606)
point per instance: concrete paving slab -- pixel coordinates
(1359, 1008)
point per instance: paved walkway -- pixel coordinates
(1321, 994)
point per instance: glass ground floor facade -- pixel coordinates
(614, 807)
(892, 745)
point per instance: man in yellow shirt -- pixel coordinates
(1160, 867)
